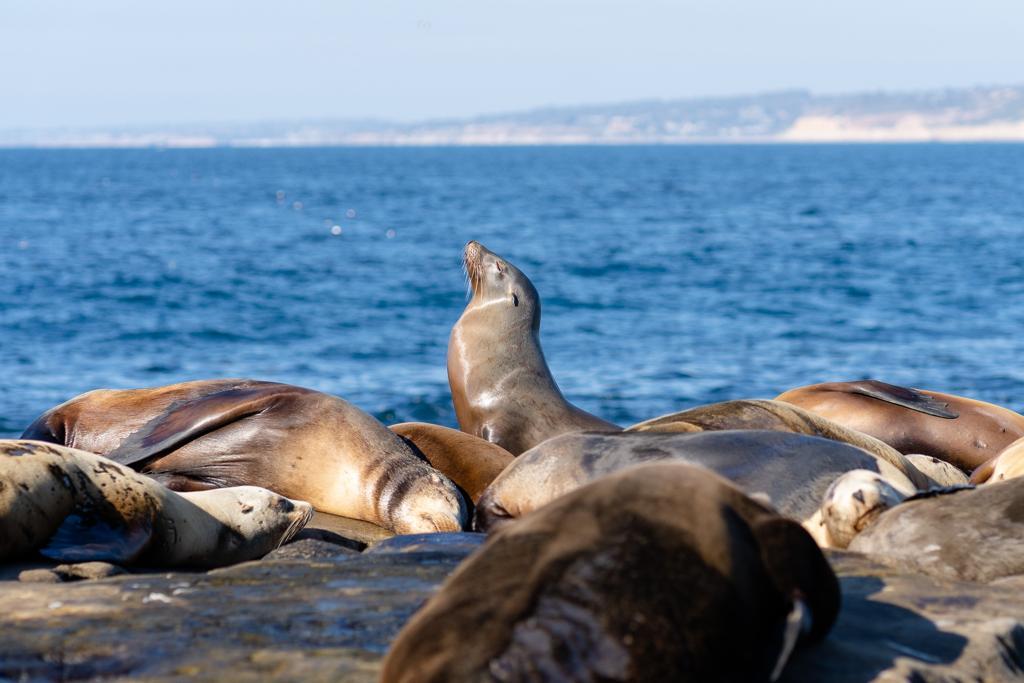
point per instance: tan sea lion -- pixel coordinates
(469, 461)
(75, 506)
(968, 533)
(501, 386)
(792, 471)
(855, 500)
(959, 430)
(939, 471)
(300, 443)
(662, 572)
(776, 416)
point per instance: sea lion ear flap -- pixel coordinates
(799, 569)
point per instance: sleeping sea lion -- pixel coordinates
(776, 416)
(75, 506)
(966, 533)
(959, 430)
(662, 572)
(501, 386)
(792, 471)
(300, 443)
(469, 461)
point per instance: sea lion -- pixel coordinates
(1007, 465)
(959, 430)
(967, 533)
(776, 416)
(300, 443)
(939, 471)
(501, 386)
(792, 471)
(75, 506)
(662, 572)
(855, 500)
(469, 461)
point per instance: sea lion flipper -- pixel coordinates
(798, 569)
(90, 538)
(902, 396)
(189, 420)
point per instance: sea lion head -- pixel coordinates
(495, 281)
(259, 517)
(854, 501)
(431, 503)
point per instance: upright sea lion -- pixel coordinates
(501, 386)
(792, 471)
(776, 416)
(662, 572)
(78, 507)
(300, 443)
(969, 534)
(959, 430)
(467, 460)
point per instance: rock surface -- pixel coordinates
(317, 613)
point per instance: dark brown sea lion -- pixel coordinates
(79, 507)
(300, 443)
(972, 534)
(959, 430)
(792, 471)
(662, 572)
(501, 386)
(469, 461)
(776, 416)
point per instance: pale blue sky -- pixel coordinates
(113, 62)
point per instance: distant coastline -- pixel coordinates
(979, 114)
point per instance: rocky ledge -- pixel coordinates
(319, 609)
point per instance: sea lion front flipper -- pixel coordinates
(186, 421)
(799, 569)
(901, 396)
(84, 537)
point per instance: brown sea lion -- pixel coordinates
(469, 461)
(791, 471)
(959, 430)
(501, 386)
(300, 443)
(75, 506)
(967, 533)
(776, 416)
(662, 572)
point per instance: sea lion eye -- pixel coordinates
(497, 264)
(515, 299)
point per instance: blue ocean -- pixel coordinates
(670, 276)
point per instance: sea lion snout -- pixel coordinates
(490, 514)
(854, 501)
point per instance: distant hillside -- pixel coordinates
(963, 114)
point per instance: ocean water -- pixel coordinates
(670, 276)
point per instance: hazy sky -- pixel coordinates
(100, 62)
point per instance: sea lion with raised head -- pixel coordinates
(791, 471)
(75, 506)
(965, 533)
(662, 572)
(469, 461)
(501, 386)
(959, 430)
(776, 416)
(298, 442)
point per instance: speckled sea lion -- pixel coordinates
(970, 534)
(467, 460)
(792, 471)
(300, 443)
(776, 416)
(75, 506)
(501, 386)
(959, 430)
(662, 572)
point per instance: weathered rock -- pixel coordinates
(332, 619)
(71, 572)
(310, 549)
